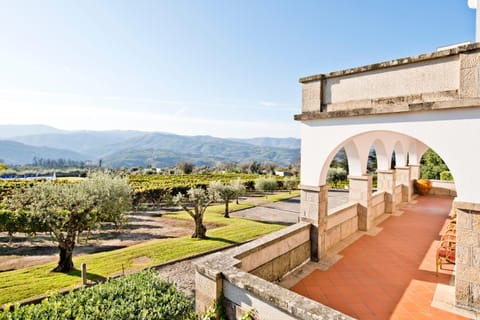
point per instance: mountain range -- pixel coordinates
(20, 144)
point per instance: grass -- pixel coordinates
(283, 196)
(33, 281)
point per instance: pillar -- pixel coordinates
(360, 191)
(467, 268)
(208, 289)
(403, 178)
(414, 171)
(314, 209)
(386, 183)
(414, 175)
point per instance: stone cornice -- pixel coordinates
(394, 63)
(399, 109)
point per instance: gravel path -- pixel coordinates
(182, 274)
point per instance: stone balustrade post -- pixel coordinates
(314, 209)
(360, 191)
(414, 175)
(386, 183)
(403, 178)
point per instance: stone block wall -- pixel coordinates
(467, 272)
(378, 205)
(341, 224)
(312, 96)
(469, 75)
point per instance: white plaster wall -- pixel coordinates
(416, 78)
(453, 134)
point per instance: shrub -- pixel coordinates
(446, 175)
(137, 296)
(266, 184)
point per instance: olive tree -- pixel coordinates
(289, 183)
(71, 208)
(185, 167)
(195, 202)
(226, 192)
(239, 187)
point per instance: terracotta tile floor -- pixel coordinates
(390, 275)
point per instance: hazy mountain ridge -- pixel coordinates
(289, 143)
(13, 152)
(137, 148)
(8, 131)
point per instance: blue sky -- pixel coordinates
(226, 68)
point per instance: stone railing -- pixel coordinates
(443, 188)
(243, 276)
(378, 204)
(341, 223)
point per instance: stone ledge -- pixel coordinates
(308, 188)
(470, 206)
(359, 112)
(395, 63)
(286, 300)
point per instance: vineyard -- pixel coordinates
(145, 189)
(154, 188)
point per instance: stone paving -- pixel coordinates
(389, 274)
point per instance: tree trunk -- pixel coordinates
(226, 210)
(65, 264)
(200, 229)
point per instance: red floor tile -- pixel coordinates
(390, 275)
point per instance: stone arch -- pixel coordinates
(357, 148)
(353, 159)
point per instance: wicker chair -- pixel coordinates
(445, 253)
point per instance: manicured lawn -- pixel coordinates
(283, 196)
(33, 281)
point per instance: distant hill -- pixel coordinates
(290, 143)
(137, 148)
(153, 148)
(18, 153)
(89, 143)
(8, 131)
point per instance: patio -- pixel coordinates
(387, 274)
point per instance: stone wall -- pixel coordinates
(341, 224)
